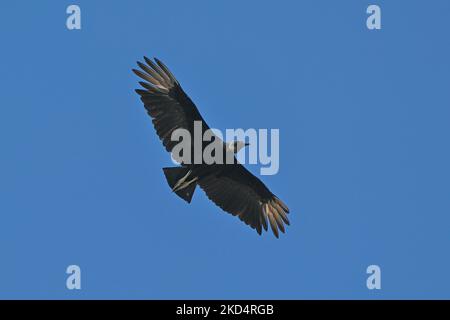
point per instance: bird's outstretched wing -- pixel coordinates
(166, 102)
(237, 191)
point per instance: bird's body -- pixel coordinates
(229, 185)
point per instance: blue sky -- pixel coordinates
(363, 118)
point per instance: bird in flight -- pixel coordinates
(229, 185)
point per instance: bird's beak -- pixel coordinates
(246, 144)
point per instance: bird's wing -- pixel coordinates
(166, 102)
(237, 191)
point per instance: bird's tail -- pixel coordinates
(181, 183)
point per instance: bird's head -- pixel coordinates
(235, 146)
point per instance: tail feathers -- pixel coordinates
(173, 175)
(187, 193)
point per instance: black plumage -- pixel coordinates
(230, 186)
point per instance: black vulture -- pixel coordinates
(229, 185)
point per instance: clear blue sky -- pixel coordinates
(364, 164)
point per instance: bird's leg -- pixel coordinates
(184, 185)
(182, 182)
(179, 182)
